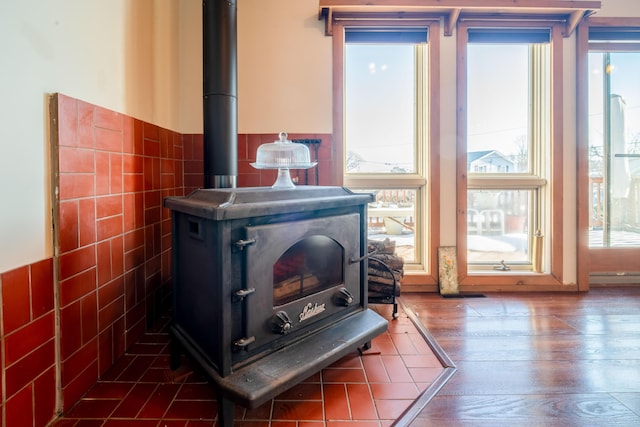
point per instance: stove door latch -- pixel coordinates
(241, 244)
(240, 294)
(242, 343)
(343, 298)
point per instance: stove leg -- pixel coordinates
(225, 411)
(175, 354)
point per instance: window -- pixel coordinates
(385, 130)
(614, 137)
(508, 145)
(386, 127)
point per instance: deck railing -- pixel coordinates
(394, 204)
(404, 200)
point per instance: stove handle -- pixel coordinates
(343, 297)
(354, 260)
(281, 323)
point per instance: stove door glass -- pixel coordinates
(310, 265)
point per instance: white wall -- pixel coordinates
(619, 8)
(284, 67)
(118, 54)
(190, 66)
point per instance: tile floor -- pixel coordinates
(369, 389)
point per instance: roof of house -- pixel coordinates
(475, 155)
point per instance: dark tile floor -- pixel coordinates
(363, 390)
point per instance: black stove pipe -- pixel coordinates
(220, 87)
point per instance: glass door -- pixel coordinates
(614, 149)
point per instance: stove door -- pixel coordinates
(301, 274)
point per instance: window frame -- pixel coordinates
(428, 210)
(552, 209)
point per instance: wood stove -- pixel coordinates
(269, 286)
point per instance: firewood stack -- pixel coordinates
(381, 280)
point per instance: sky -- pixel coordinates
(498, 98)
(380, 93)
(380, 106)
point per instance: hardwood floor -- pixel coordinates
(547, 359)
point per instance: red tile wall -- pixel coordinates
(28, 345)
(113, 235)
(113, 246)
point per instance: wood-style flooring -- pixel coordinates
(548, 359)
